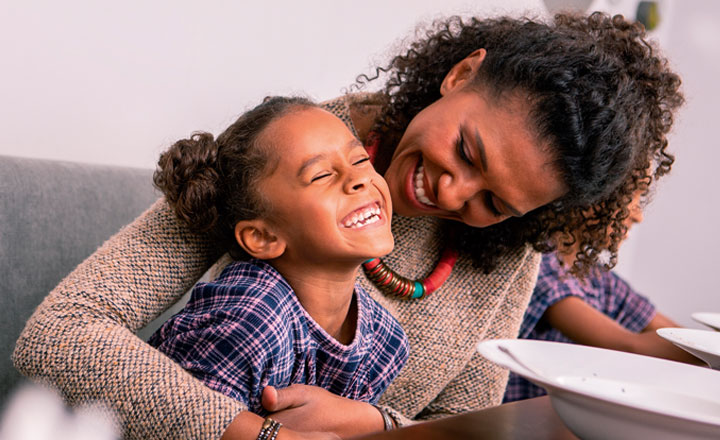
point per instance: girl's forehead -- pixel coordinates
(306, 132)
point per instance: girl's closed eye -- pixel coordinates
(320, 176)
(362, 160)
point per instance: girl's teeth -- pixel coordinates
(366, 217)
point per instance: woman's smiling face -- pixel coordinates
(471, 158)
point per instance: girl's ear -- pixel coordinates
(462, 71)
(257, 239)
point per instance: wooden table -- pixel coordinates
(526, 419)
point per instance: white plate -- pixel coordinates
(711, 320)
(602, 394)
(705, 344)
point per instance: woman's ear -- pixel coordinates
(256, 237)
(462, 71)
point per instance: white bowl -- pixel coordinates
(705, 344)
(711, 320)
(607, 394)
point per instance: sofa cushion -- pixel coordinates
(53, 215)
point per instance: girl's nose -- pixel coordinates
(357, 181)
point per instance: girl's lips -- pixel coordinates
(364, 216)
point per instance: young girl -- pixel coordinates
(290, 193)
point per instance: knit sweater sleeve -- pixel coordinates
(81, 338)
(479, 383)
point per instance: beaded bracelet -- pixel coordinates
(269, 430)
(387, 421)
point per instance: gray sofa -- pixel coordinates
(53, 215)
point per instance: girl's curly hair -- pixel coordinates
(212, 184)
(601, 97)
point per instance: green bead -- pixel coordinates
(419, 290)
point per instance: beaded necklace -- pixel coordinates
(391, 283)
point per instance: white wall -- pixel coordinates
(118, 82)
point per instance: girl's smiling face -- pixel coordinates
(326, 202)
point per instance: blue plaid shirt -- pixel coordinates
(603, 290)
(247, 330)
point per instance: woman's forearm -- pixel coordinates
(92, 360)
(81, 338)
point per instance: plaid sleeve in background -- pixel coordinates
(630, 309)
(604, 290)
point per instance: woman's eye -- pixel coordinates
(461, 150)
(363, 160)
(320, 177)
(490, 203)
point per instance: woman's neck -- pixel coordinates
(327, 296)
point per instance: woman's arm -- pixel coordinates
(586, 325)
(246, 426)
(81, 338)
(308, 408)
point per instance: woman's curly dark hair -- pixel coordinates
(211, 184)
(601, 97)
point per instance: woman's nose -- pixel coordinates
(454, 191)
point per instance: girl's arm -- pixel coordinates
(586, 325)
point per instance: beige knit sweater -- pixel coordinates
(81, 338)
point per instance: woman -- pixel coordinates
(494, 136)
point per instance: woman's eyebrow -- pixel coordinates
(354, 143)
(480, 146)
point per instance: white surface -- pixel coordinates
(704, 344)
(37, 413)
(607, 394)
(711, 320)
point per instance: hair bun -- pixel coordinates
(188, 176)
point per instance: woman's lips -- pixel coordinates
(421, 193)
(416, 188)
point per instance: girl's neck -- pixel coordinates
(327, 296)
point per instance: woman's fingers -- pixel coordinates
(269, 398)
(279, 399)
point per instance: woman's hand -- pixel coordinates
(247, 426)
(310, 408)
(288, 434)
